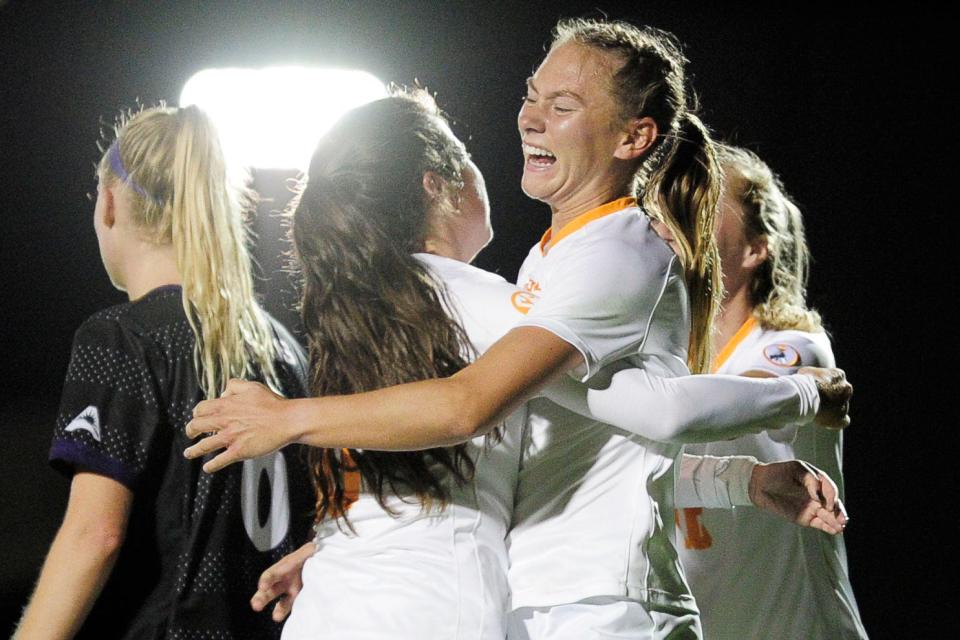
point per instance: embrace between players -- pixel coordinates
(487, 459)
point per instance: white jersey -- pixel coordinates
(588, 519)
(440, 574)
(754, 575)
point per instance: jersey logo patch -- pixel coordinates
(782, 355)
(522, 301)
(87, 420)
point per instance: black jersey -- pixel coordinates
(196, 543)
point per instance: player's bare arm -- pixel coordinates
(251, 421)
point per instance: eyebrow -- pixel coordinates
(563, 93)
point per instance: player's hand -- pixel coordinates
(835, 394)
(798, 492)
(247, 421)
(282, 582)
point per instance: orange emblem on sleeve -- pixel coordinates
(522, 301)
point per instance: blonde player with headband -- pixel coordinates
(606, 111)
(765, 329)
(150, 546)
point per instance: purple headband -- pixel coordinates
(116, 165)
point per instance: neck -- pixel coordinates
(584, 201)
(734, 311)
(441, 248)
(153, 266)
(563, 217)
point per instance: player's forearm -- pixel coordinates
(418, 415)
(439, 412)
(699, 408)
(77, 567)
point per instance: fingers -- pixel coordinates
(829, 492)
(265, 595)
(205, 446)
(820, 487)
(208, 424)
(284, 605)
(207, 408)
(259, 601)
(841, 511)
(816, 516)
(226, 458)
(825, 522)
(281, 582)
(234, 387)
(282, 609)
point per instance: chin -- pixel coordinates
(533, 190)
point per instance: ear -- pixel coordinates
(433, 185)
(638, 137)
(108, 209)
(757, 253)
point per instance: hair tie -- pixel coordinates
(116, 165)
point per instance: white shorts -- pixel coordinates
(603, 618)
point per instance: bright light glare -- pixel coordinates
(273, 117)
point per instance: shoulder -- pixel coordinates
(620, 249)
(107, 327)
(143, 320)
(462, 276)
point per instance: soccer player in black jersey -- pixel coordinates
(151, 547)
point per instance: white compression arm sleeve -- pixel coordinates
(696, 408)
(713, 483)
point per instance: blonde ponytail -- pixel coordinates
(181, 194)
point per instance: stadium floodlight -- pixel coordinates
(273, 117)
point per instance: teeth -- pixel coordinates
(536, 151)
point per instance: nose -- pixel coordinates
(530, 118)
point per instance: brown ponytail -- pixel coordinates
(373, 314)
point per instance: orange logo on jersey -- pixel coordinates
(782, 355)
(522, 301)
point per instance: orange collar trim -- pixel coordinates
(603, 210)
(734, 342)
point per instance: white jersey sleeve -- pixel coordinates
(784, 352)
(700, 408)
(605, 310)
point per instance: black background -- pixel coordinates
(849, 107)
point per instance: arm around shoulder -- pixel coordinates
(251, 421)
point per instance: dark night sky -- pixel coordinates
(836, 103)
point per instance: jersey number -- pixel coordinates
(264, 502)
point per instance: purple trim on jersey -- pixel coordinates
(68, 457)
